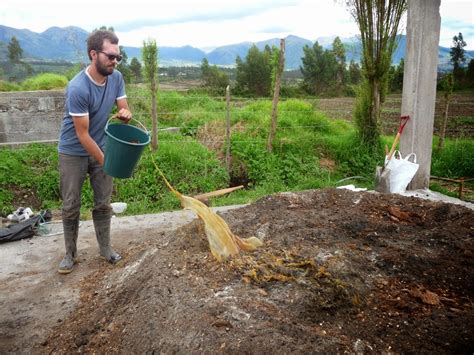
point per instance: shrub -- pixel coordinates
(45, 81)
(7, 86)
(455, 160)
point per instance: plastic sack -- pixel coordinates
(222, 241)
(402, 171)
(17, 231)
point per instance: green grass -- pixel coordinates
(455, 160)
(6, 86)
(306, 139)
(32, 168)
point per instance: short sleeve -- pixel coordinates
(77, 102)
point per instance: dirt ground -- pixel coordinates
(460, 113)
(340, 271)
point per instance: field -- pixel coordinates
(460, 113)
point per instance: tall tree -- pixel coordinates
(240, 77)
(150, 61)
(123, 66)
(354, 73)
(15, 52)
(340, 54)
(396, 76)
(319, 69)
(378, 22)
(136, 70)
(470, 73)
(458, 58)
(212, 77)
(457, 51)
(254, 75)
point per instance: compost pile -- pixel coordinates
(339, 271)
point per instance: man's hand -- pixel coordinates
(124, 115)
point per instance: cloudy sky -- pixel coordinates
(207, 24)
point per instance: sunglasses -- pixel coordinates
(113, 57)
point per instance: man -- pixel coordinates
(90, 97)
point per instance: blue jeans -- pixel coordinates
(73, 172)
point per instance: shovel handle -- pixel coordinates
(403, 123)
(394, 145)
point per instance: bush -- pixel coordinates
(455, 160)
(189, 167)
(353, 157)
(45, 81)
(7, 86)
(31, 168)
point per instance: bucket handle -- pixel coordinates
(141, 124)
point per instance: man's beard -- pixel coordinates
(103, 69)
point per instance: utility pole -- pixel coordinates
(419, 85)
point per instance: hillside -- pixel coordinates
(68, 44)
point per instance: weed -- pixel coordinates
(304, 137)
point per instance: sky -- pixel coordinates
(213, 23)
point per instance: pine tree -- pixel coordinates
(457, 51)
(15, 53)
(136, 69)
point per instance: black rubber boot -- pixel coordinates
(71, 231)
(102, 233)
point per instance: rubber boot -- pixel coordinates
(71, 230)
(102, 233)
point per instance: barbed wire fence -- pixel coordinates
(233, 110)
(203, 120)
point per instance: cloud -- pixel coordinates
(212, 23)
(198, 13)
(274, 29)
(457, 16)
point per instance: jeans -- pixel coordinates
(73, 172)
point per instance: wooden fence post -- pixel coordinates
(276, 96)
(227, 131)
(154, 127)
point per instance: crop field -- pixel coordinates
(460, 113)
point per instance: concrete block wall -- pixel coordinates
(30, 116)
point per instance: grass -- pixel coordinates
(310, 151)
(45, 81)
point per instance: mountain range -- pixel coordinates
(69, 44)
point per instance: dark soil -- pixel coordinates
(460, 113)
(340, 271)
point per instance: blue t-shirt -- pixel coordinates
(86, 97)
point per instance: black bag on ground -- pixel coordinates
(25, 229)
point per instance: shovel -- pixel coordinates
(382, 174)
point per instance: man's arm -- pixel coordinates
(81, 124)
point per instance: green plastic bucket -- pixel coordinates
(124, 145)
